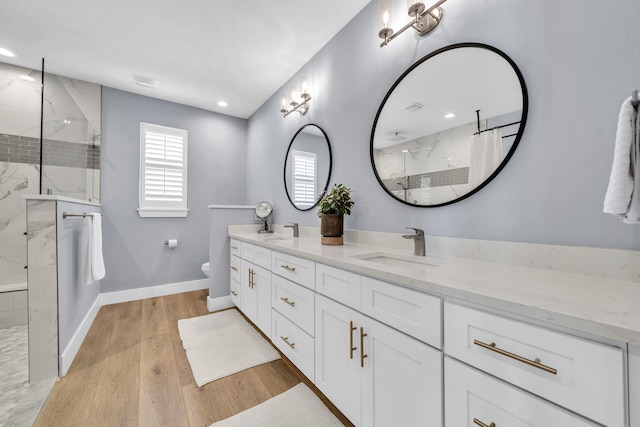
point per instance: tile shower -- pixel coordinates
(65, 163)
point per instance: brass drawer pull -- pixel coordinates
(362, 355)
(535, 363)
(234, 268)
(234, 247)
(286, 339)
(481, 424)
(235, 294)
(286, 267)
(291, 303)
(351, 347)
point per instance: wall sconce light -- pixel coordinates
(424, 20)
(301, 107)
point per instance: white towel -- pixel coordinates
(486, 154)
(94, 268)
(621, 199)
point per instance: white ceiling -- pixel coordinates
(198, 51)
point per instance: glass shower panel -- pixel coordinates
(19, 170)
(71, 138)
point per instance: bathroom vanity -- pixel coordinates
(394, 339)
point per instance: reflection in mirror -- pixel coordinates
(307, 167)
(448, 125)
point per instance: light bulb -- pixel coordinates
(304, 86)
(385, 18)
(284, 102)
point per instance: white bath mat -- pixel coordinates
(221, 344)
(296, 407)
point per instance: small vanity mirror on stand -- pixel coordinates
(264, 211)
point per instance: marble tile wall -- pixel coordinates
(13, 309)
(43, 289)
(16, 179)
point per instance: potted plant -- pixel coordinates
(331, 210)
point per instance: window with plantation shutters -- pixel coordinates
(304, 178)
(163, 171)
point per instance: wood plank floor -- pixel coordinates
(131, 370)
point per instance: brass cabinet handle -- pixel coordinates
(291, 303)
(351, 347)
(481, 424)
(249, 277)
(235, 294)
(535, 363)
(234, 247)
(362, 355)
(286, 339)
(286, 267)
(234, 268)
(253, 279)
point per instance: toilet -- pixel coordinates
(205, 269)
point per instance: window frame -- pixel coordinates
(159, 208)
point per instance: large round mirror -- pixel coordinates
(307, 167)
(448, 125)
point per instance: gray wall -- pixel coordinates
(579, 65)
(134, 250)
(74, 297)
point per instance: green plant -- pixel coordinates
(337, 201)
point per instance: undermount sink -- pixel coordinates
(269, 239)
(400, 261)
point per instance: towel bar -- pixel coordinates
(66, 215)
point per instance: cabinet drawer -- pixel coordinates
(339, 285)
(471, 395)
(235, 293)
(295, 302)
(296, 269)
(412, 312)
(256, 254)
(580, 375)
(294, 343)
(235, 268)
(234, 247)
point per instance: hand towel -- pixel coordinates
(94, 268)
(620, 191)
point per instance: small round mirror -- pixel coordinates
(264, 211)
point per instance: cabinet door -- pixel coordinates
(634, 384)
(255, 290)
(402, 382)
(338, 373)
(473, 399)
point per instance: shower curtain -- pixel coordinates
(486, 154)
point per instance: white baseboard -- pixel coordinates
(69, 353)
(220, 303)
(153, 291)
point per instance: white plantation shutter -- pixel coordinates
(304, 178)
(163, 171)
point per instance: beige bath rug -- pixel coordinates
(222, 344)
(296, 407)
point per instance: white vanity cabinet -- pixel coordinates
(376, 375)
(292, 321)
(250, 287)
(582, 376)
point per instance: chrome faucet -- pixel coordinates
(294, 225)
(418, 240)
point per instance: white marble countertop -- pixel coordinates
(604, 307)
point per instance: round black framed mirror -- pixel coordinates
(448, 125)
(307, 167)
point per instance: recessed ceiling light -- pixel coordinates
(449, 116)
(27, 78)
(222, 103)
(6, 52)
(144, 81)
